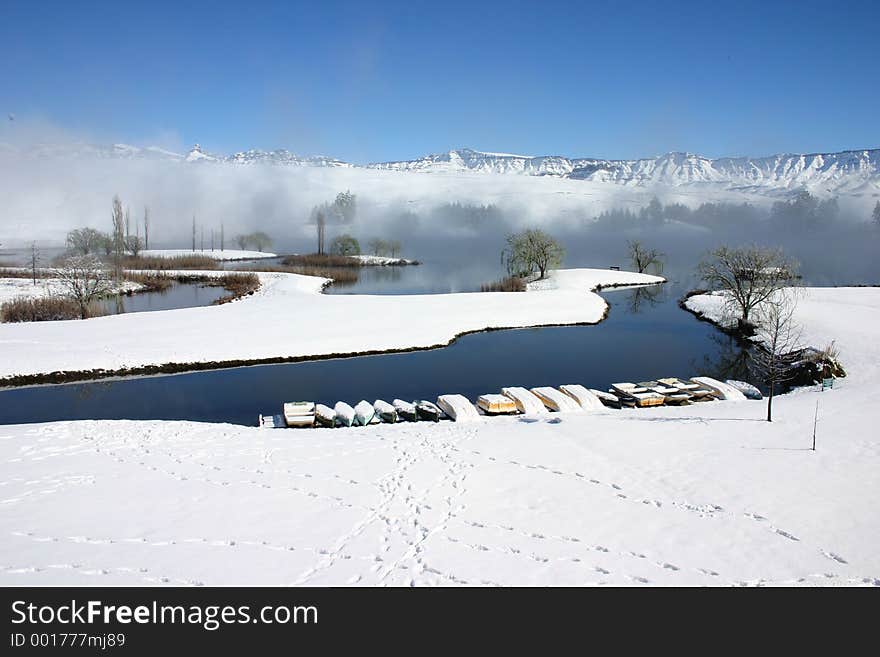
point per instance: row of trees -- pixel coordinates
(258, 240)
(342, 210)
(380, 247)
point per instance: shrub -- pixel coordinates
(151, 282)
(321, 260)
(23, 273)
(509, 284)
(193, 261)
(43, 309)
(238, 285)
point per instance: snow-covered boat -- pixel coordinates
(427, 411)
(405, 410)
(746, 388)
(525, 401)
(385, 411)
(299, 414)
(556, 400)
(344, 414)
(671, 395)
(628, 388)
(364, 413)
(458, 407)
(720, 388)
(270, 421)
(695, 390)
(646, 399)
(607, 399)
(495, 404)
(325, 416)
(587, 400)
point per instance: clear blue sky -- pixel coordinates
(368, 81)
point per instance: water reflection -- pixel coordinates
(642, 298)
(179, 295)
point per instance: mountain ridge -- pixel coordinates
(851, 170)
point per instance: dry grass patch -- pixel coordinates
(321, 261)
(509, 284)
(238, 285)
(194, 261)
(44, 309)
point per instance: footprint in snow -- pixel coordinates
(834, 557)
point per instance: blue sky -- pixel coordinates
(394, 80)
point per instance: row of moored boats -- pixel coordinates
(512, 401)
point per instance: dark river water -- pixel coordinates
(179, 295)
(646, 336)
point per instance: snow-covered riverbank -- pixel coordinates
(701, 495)
(15, 288)
(289, 318)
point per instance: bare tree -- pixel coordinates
(321, 225)
(35, 260)
(378, 247)
(194, 234)
(530, 250)
(394, 247)
(83, 279)
(261, 240)
(642, 257)
(84, 241)
(778, 344)
(345, 245)
(134, 244)
(127, 221)
(242, 241)
(749, 276)
(118, 237)
(146, 227)
(222, 238)
(876, 214)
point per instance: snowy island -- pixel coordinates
(288, 318)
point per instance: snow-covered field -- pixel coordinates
(701, 495)
(227, 254)
(288, 317)
(13, 288)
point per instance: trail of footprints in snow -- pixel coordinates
(569, 541)
(455, 475)
(140, 572)
(701, 510)
(333, 499)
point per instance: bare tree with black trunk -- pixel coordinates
(84, 241)
(531, 250)
(83, 279)
(779, 343)
(642, 257)
(748, 276)
(194, 234)
(35, 260)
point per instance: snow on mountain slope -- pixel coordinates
(831, 170)
(856, 171)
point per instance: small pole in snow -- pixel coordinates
(815, 421)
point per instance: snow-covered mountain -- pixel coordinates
(847, 171)
(848, 168)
